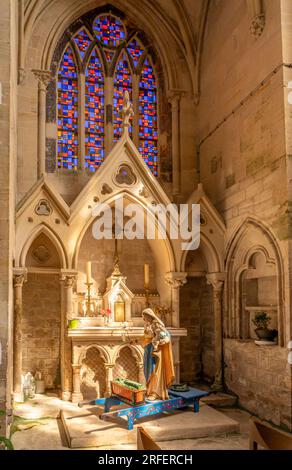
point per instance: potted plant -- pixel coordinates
(262, 321)
(73, 323)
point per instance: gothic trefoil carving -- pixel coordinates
(43, 208)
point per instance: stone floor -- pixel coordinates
(38, 427)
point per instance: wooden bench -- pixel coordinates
(264, 435)
(144, 441)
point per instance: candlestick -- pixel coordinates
(88, 302)
(146, 276)
(147, 298)
(88, 272)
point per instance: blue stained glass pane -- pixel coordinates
(135, 51)
(109, 30)
(148, 127)
(82, 41)
(68, 112)
(94, 113)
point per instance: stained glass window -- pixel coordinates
(68, 112)
(109, 30)
(122, 82)
(82, 99)
(135, 50)
(109, 55)
(148, 117)
(82, 41)
(94, 113)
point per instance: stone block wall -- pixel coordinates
(41, 326)
(261, 378)
(196, 314)
(133, 255)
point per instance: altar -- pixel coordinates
(100, 354)
(105, 341)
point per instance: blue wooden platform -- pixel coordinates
(177, 400)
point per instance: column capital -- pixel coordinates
(44, 77)
(216, 280)
(19, 276)
(257, 17)
(76, 367)
(109, 365)
(176, 279)
(174, 96)
(68, 277)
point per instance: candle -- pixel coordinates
(146, 276)
(88, 272)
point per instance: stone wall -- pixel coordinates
(243, 160)
(196, 314)
(8, 137)
(261, 377)
(41, 326)
(133, 255)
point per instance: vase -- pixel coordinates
(266, 334)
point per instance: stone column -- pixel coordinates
(176, 359)
(44, 77)
(174, 98)
(108, 378)
(141, 376)
(217, 281)
(18, 281)
(67, 284)
(175, 281)
(76, 395)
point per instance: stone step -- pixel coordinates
(220, 400)
(84, 428)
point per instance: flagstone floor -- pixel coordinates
(38, 426)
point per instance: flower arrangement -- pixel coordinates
(106, 313)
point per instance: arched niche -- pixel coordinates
(42, 253)
(93, 376)
(41, 318)
(51, 239)
(255, 280)
(197, 315)
(126, 365)
(258, 285)
(158, 253)
(133, 254)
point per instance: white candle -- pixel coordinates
(88, 272)
(146, 275)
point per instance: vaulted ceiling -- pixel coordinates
(179, 22)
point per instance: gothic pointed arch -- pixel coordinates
(246, 275)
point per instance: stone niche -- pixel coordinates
(41, 327)
(95, 371)
(259, 293)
